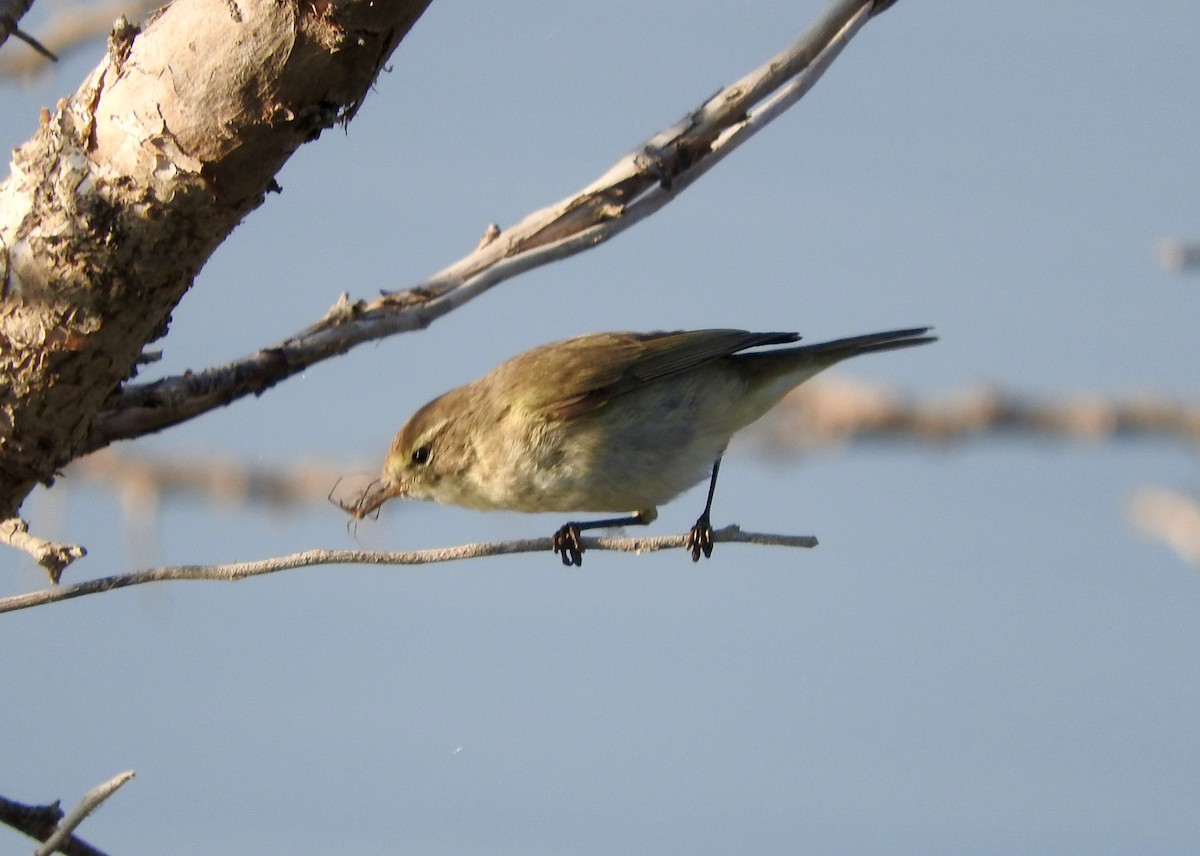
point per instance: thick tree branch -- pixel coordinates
(120, 197)
(312, 558)
(638, 185)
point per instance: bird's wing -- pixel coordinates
(583, 374)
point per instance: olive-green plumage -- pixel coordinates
(604, 422)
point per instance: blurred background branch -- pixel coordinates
(1170, 517)
(1179, 256)
(822, 413)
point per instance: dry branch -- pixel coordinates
(312, 558)
(635, 187)
(121, 196)
(52, 556)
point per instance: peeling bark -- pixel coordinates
(121, 196)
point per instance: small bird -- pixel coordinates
(606, 422)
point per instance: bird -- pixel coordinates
(604, 422)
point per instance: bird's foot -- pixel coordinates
(700, 539)
(567, 544)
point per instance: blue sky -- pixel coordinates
(980, 657)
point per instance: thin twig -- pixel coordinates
(90, 802)
(312, 558)
(638, 185)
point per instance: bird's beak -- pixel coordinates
(376, 494)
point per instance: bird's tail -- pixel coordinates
(772, 373)
(806, 360)
(841, 349)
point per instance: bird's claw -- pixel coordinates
(568, 545)
(700, 539)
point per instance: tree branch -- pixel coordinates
(121, 196)
(52, 556)
(638, 185)
(312, 558)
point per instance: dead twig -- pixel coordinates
(52, 556)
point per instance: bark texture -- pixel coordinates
(115, 204)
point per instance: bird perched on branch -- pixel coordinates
(607, 422)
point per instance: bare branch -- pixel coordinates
(1170, 517)
(638, 185)
(124, 191)
(312, 558)
(90, 802)
(51, 556)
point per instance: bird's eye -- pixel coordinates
(420, 454)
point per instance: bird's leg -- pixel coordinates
(566, 539)
(700, 539)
